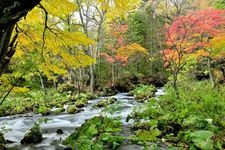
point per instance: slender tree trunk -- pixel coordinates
(113, 75)
(174, 84)
(212, 80)
(42, 82)
(92, 79)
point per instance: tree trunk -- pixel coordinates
(212, 80)
(174, 84)
(10, 13)
(113, 75)
(92, 79)
(5, 52)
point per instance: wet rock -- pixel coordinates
(9, 142)
(105, 102)
(80, 103)
(33, 136)
(2, 141)
(58, 111)
(59, 131)
(72, 109)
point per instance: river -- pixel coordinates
(19, 124)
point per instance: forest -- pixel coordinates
(112, 74)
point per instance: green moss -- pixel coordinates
(58, 111)
(72, 109)
(80, 103)
(105, 102)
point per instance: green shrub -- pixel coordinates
(95, 134)
(44, 110)
(199, 108)
(143, 92)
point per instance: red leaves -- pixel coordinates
(189, 33)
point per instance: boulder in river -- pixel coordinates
(2, 141)
(33, 136)
(72, 109)
(59, 131)
(105, 102)
(80, 103)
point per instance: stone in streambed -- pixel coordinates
(105, 102)
(33, 136)
(72, 109)
(2, 141)
(59, 131)
(80, 103)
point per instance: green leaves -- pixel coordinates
(201, 139)
(143, 92)
(95, 133)
(92, 130)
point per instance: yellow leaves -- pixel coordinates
(77, 60)
(198, 54)
(35, 16)
(59, 8)
(76, 38)
(131, 49)
(120, 8)
(217, 42)
(20, 90)
(51, 70)
(5, 79)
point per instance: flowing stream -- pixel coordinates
(19, 124)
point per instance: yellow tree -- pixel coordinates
(58, 49)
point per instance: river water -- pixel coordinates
(19, 124)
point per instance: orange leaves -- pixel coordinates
(119, 50)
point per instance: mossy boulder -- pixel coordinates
(80, 103)
(58, 111)
(33, 136)
(143, 92)
(72, 109)
(105, 102)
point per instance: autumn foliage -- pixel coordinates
(119, 50)
(191, 34)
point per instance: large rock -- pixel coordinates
(105, 102)
(33, 136)
(72, 109)
(2, 141)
